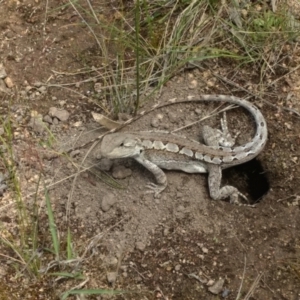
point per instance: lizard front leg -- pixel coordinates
(216, 137)
(218, 193)
(158, 173)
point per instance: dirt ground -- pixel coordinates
(182, 244)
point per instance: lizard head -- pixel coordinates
(120, 145)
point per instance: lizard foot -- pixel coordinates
(155, 189)
(234, 199)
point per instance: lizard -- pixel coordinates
(164, 150)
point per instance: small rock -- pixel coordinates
(9, 34)
(155, 122)
(38, 84)
(225, 293)
(2, 72)
(166, 231)
(42, 89)
(140, 246)
(23, 94)
(9, 83)
(37, 124)
(88, 210)
(108, 201)
(59, 113)
(177, 268)
(48, 119)
(198, 111)
(98, 87)
(173, 117)
(28, 88)
(204, 250)
(217, 287)
(111, 261)
(105, 164)
(111, 277)
(193, 84)
(55, 121)
(121, 172)
(3, 87)
(180, 208)
(210, 282)
(77, 124)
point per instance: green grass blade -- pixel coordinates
(70, 253)
(52, 226)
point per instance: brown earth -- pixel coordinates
(171, 247)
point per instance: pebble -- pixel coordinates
(210, 282)
(2, 72)
(38, 84)
(37, 124)
(140, 246)
(3, 87)
(61, 114)
(111, 277)
(28, 88)
(177, 268)
(55, 121)
(121, 172)
(204, 250)
(173, 117)
(42, 89)
(111, 261)
(155, 122)
(23, 94)
(98, 87)
(9, 83)
(166, 231)
(88, 210)
(48, 119)
(105, 164)
(180, 208)
(77, 124)
(193, 84)
(217, 287)
(198, 111)
(225, 293)
(108, 201)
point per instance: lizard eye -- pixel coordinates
(122, 145)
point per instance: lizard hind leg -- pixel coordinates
(218, 193)
(158, 173)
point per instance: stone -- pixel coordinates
(121, 172)
(9, 83)
(108, 201)
(217, 287)
(59, 113)
(2, 72)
